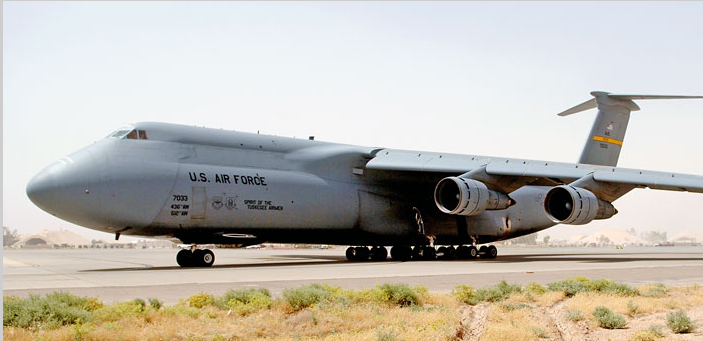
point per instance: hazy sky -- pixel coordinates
(462, 77)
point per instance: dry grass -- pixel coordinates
(517, 325)
(369, 314)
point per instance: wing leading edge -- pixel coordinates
(409, 161)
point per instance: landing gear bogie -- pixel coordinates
(195, 258)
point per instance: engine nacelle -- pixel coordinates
(467, 197)
(575, 206)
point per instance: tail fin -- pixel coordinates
(608, 132)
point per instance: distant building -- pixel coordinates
(52, 239)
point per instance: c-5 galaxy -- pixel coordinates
(211, 186)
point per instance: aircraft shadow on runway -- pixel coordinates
(308, 260)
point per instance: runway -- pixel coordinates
(124, 274)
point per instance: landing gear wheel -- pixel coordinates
(207, 258)
(417, 253)
(472, 252)
(378, 253)
(492, 252)
(351, 253)
(429, 253)
(441, 251)
(449, 253)
(463, 252)
(483, 250)
(361, 253)
(401, 253)
(184, 258)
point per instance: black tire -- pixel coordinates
(429, 253)
(207, 258)
(462, 252)
(378, 253)
(449, 253)
(441, 252)
(351, 253)
(401, 253)
(492, 252)
(184, 258)
(361, 253)
(483, 250)
(416, 253)
(472, 252)
(197, 257)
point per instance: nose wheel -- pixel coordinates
(195, 258)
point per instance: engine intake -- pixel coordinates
(467, 197)
(575, 206)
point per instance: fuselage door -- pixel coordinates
(198, 204)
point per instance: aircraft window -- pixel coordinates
(119, 133)
(132, 135)
(142, 135)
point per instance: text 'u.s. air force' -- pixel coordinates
(237, 179)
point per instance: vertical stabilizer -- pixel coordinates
(605, 140)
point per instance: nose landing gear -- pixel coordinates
(195, 257)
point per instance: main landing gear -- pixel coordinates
(194, 257)
(406, 253)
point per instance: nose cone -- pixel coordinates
(64, 189)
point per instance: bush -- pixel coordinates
(51, 311)
(247, 301)
(607, 319)
(679, 322)
(539, 332)
(399, 294)
(155, 303)
(465, 294)
(305, 296)
(200, 300)
(497, 292)
(574, 315)
(139, 303)
(241, 295)
(534, 288)
(632, 308)
(655, 290)
(572, 286)
(118, 311)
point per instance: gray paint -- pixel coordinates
(207, 185)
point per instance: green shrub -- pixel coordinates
(570, 286)
(679, 322)
(398, 294)
(200, 300)
(653, 333)
(241, 295)
(574, 315)
(155, 303)
(632, 308)
(607, 319)
(139, 303)
(534, 288)
(655, 290)
(182, 309)
(497, 292)
(51, 311)
(656, 330)
(305, 296)
(465, 294)
(118, 311)
(252, 302)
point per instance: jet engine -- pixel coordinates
(467, 197)
(575, 206)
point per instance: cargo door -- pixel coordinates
(199, 198)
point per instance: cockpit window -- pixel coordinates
(132, 135)
(119, 133)
(142, 135)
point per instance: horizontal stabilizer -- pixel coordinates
(606, 98)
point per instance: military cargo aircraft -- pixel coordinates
(211, 186)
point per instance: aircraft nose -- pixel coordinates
(64, 188)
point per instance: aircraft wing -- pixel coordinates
(587, 175)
